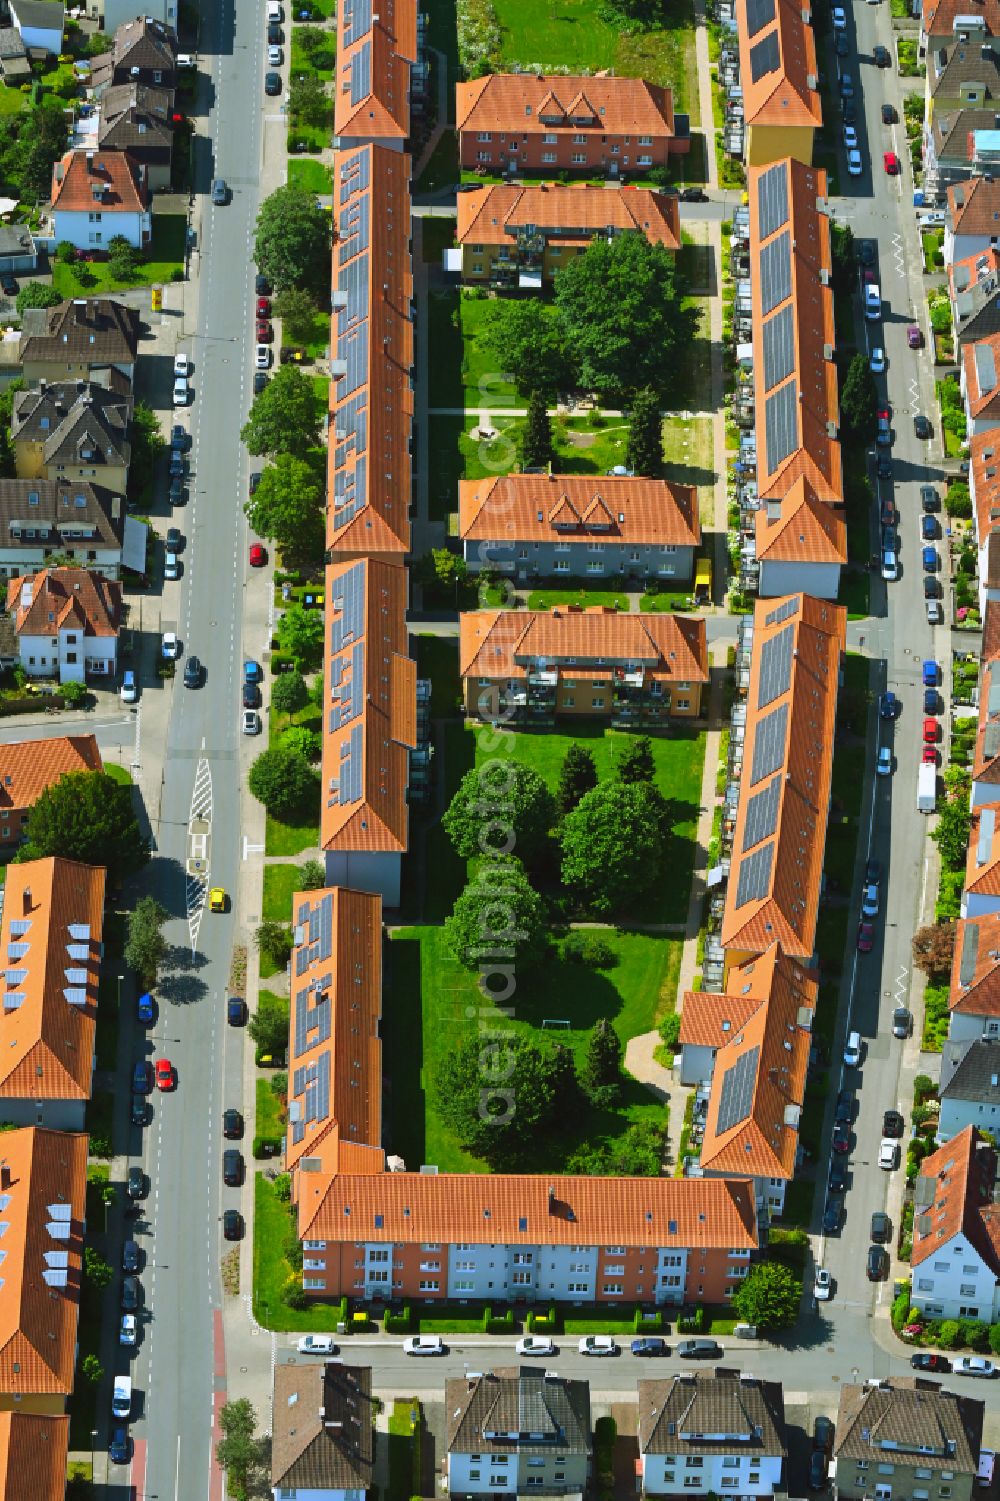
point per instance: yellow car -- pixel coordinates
(216, 899)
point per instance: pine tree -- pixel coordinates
(577, 775)
(536, 439)
(636, 764)
(644, 453)
(603, 1065)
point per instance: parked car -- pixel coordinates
(232, 1224)
(822, 1285)
(881, 56)
(929, 673)
(877, 1263)
(131, 1256)
(275, 57)
(837, 1180)
(142, 1078)
(650, 1344)
(932, 702)
(972, 1365)
(887, 511)
(930, 1360)
(139, 1110)
(914, 337)
(182, 367)
(881, 1228)
(119, 1446)
(693, 195)
(892, 1123)
(873, 870)
(929, 528)
(889, 115)
(866, 937)
(884, 433)
(852, 1050)
(932, 587)
(889, 566)
(839, 17)
(174, 539)
(883, 463)
(236, 1011)
(424, 1344)
(252, 671)
(232, 1125)
(171, 567)
(192, 672)
(929, 559)
(534, 1344)
(866, 252)
(265, 332)
(232, 1167)
(598, 1344)
(316, 1344)
(929, 499)
(844, 1109)
(841, 1140)
(935, 614)
(902, 1021)
(127, 1332)
(931, 731)
(131, 1294)
(850, 137)
(831, 1216)
(251, 696)
(890, 162)
(699, 1349)
(818, 1469)
(870, 900)
(883, 764)
(823, 1431)
(258, 555)
(272, 81)
(261, 286)
(855, 166)
(164, 1074)
(250, 722)
(876, 360)
(220, 191)
(260, 380)
(170, 648)
(181, 393)
(922, 427)
(262, 356)
(888, 1154)
(129, 691)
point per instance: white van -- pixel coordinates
(275, 12)
(987, 1459)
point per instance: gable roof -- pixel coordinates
(709, 1020)
(47, 15)
(98, 329)
(982, 866)
(146, 43)
(981, 381)
(970, 1070)
(609, 105)
(483, 1409)
(59, 599)
(43, 1177)
(773, 888)
(728, 1413)
(335, 1053)
(369, 723)
(375, 48)
(975, 967)
(974, 206)
(778, 72)
(61, 512)
(492, 215)
(798, 403)
(33, 1453)
(579, 508)
(986, 757)
(369, 467)
(76, 422)
(800, 528)
(50, 933)
(984, 461)
(324, 1428)
(991, 628)
(953, 1195)
(951, 130)
(941, 17)
(504, 643)
(956, 61)
(109, 180)
(759, 1078)
(136, 116)
(909, 1417)
(30, 766)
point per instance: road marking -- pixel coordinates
(251, 849)
(199, 850)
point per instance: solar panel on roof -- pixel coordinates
(779, 348)
(326, 927)
(354, 352)
(357, 19)
(786, 609)
(759, 14)
(351, 767)
(775, 667)
(755, 875)
(780, 424)
(353, 693)
(769, 744)
(772, 200)
(361, 73)
(776, 272)
(762, 814)
(986, 368)
(736, 1095)
(765, 57)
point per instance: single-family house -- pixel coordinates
(136, 117)
(323, 1438)
(955, 1262)
(986, 756)
(969, 1086)
(974, 995)
(984, 491)
(905, 1435)
(981, 896)
(83, 523)
(113, 14)
(980, 386)
(517, 1429)
(74, 432)
(40, 23)
(144, 50)
(18, 252)
(947, 157)
(712, 1433)
(29, 767)
(77, 338)
(972, 220)
(98, 196)
(67, 622)
(14, 64)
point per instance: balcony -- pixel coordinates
(543, 677)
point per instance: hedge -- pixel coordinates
(542, 1323)
(266, 1146)
(503, 1323)
(399, 1323)
(648, 1323)
(693, 1323)
(32, 704)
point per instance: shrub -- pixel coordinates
(958, 501)
(923, 1089)
(283, 1188)
(692, 1321)
(951, 1334)
(266, 1146)
(670, 1030)
(900, 1311)
(977, 1335)
(590, 949)
(648, 1323)
(399, 1323)
(292, 1294)
(995, 1338)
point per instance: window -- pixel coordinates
(430, 1266)
(549, 139)
(923, 1474)
(942, 1266)
(568, 701)
(314, 1283)
(378, 1276)
(645, 161)
(577, 1287)
(378, 1255)
(579, 140)
(692, 1482)
(312, 1264)
(548, 156)
(475, 1474)
(685, 703)
(523, 1258)
(969, 1271)
(614, 1271)
(484, 156)
(884, 1469)
(967, 1290)
(925, 1284)
(562, 565)
(612, 1289)
(521, 1279)
(484, 135)
(430, 1284)
(968, 1311)
(579, 158)
(598, 703)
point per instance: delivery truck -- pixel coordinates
(927, 788)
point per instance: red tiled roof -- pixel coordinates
(962, 1174)
(518, 102)
(493, 215)
(773, 888)
(940, 17)
(578, 508)
(984, 463)
(991, 629)
(975, 967)
(982, 387)
(982, 864)
(375, 49)
(974, 206)
(57, 599)
(709, 1020)
(28, 767)
(77, 175)
(779, 81)
(801, 529)
(503, 643)
(33, 1453)
(986, 757)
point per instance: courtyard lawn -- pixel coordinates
(273, 1227)
(437, 659)
(690, 459)
(165, 256)
(436, 235)
(290, 838)
(633, 995)
(321, 66)
(311, 176)
(442, 167)
(12, 101)
(548, 599)
(280, 881)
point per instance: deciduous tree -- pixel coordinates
(297, 311)
(268, 1025)
(637, 1153)
(859, 399)
(301, 634)
(933, 948)
(577, 775)
(636, 761)
(308, 101)
(287, 506)
(644, 450)
(289, 693)
(536, 447)
(284, 417)
(496, 1094)
(527, 342)
(292, 240)
(499, 909)
(283, 780)
(501, 807)
(614, 846)
(37, 294)
(769, 1296)
(145, 945)
(89, 817)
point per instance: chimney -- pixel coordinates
(90, 161)
(4, 1175)
(26, 900)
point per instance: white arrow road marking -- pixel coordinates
(199, 849)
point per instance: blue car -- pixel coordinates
(142, 1078)
(649, 1345)
(120, 1446)
(930, 674)
(252, 672)
(144, 1009)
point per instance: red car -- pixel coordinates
(164, 1074)
(263, 307)
(265, 333)
(929, 756)
(890, 162)
(258, 555)
(866, 937)
(930, 731)
(841, 1137)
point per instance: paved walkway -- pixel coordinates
(441, 124)
(705, 92)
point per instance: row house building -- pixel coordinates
(30, 767)
(778, 80)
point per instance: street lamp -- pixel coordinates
(93, 1452)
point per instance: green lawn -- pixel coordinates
(118, 773)
(665, 600)
(633, 995)
(436, 235)
(318, 343)
(548, 599)
(268, 1120)
(273, 1225)
(290, 838)
(280, 881)
(442, 167)
(12, 101)
(164, 257)
(437, 659)
(311, 176)
(320, 66)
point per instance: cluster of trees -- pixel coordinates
(644, 449)
(859, 400)
(292, 240)
(283, 427)
(241, 1453)
(30, 143)
(87, 816)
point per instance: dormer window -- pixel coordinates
(32, 497)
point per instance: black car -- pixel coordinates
(866, 252)
(884, 466)
(232, 1224)
(841, 1137)
(881, 1228)
(232, 1125)
(232, 1167)
(136, 1185)
(823, 1434)
(831, 1216)
(922, 427)
(120, 1446)
(179, 436)
(818, 1468)
(131, 1256)
(929, 499)
(889, 115)
(699, 1349)
(931, 701)
(650, 1345)
(838, 1177)
(850, 111)
(272, 84)
(174, 539)
(8, 283)
(841, 45)
(251, 696)
(693, 195)
(877, 1263)
(192, 672)
(131, 1294)
(890, 539)
(892, 1123)
(845, 1107)
(881, 57)
(930, 1360)
(254, 481)
(260, 380)
(262, 286)
(873, 871)
(177, 490)
(139, 1113)
(177, 464)
(932, 588)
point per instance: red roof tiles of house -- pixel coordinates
(375, 50)
(58, 598)
(108, 181)
(975, 967)
(981, 384)
(33, 1453)
(984, 462)
(974, 207)
(941, 17)
(800, 529)
(494, 215)
(531, 103)
(958, 1181)
(28, 767)
(778, 70)
(982, 867)
(577, 507)
(504, 643)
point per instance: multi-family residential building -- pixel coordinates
(799, 542)
(974, 995)
(712, 1434)
(906, 1437)
(969, 1087)
(97, 196)
(982, 868)
(50, 932)
(972, 288)
(376, 50)
(779, 837)
(603, 126)
(78, 338)
(144, 50)
(323, 1443)
(516, 1430)
(963, 70)
(535, 526)
(43, 1183)
(985, 771)
(34, 1448)
(369, 464)
(782, 109)
(66, 621)
(979, 384)
(984, 490)
(955, 1262)
(369, 727)
(531, 666)
(947, 157)
(708, 1022)
(86, 524)
(136, 117)
(74, 432)
(519, 236)
(114, 14)
(758, 1079)
(32, 766)
(971, 223)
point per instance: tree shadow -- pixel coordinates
(404, 1125)
(181, 989)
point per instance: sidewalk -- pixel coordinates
(705, 93)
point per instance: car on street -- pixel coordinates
(261, 285)
(841, 45)
(174, 539)
(263, 306)
(881, 56)
(881, 1228)
(823, 1431)
(181, 392)
(598, 1344)
(178, 464)
(838, 1176)
(932, 703)
(262, 356)
(164, 1074)
(839, 18)
(171, 567)
(851, 137)
(176, 492)
(139, 1110)
(129, 692)
(534, 1344)
(182, 367)
(866, 252)
(888, 1154)
(232, 1167)
(884, 433)
(250, 722)
(887, 511)
(930, 1360)
(929, 499)
(831, 1216)
(251, 696)
(855, 166)
(8, 284)
(841, 1140)
(902, 1021)
(131, 1294)
(232, 1125)
(877, 1263)
(883, 764)
(892, 1123)
(144, 1009)
(890, 162)
(192, 672)
(972, 1365)
(852, 1049)
(232, 1224)
(650, 1344)
(914, 337)
(935, 612)
(272, 82)
(929, 528)
(883, 465)
(822, 1285)
(254, 481)
(846, 89)
(693, 195)
(169, 646)
(236, 1011)
(929, 673)
(929, 559)
(265, 332)
(142, 1077)
(252, 671)
(818, 1469)
(844, 1109)
(932, 587)
(876, 360)
(890, 539)
(217, 899)
(179, 436)
(120, 1446)
(866, 937)
(220, 191)
(260, 380)
(931, 731)
(921, 426)
(870, 900)
(258, 555)
(424, 1344)
(889, 567)
(275, 57)
(699, 1349)
(127, 1331)
(316, 1344)
(888, 705)
(889, 115)
(873, 870)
